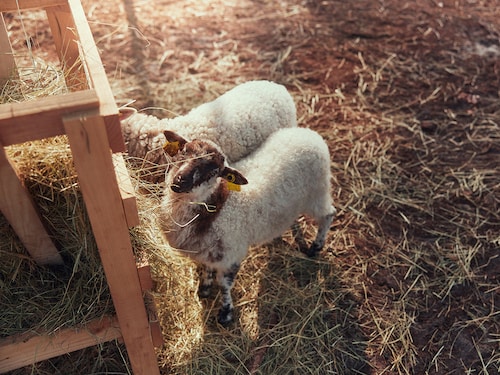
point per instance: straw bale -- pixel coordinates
(46, 299)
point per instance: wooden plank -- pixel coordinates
(156, 334)
(154, 324)
(62, 26)
(21, 122)
(23, 350)
(98, 77)
(14, 5)
(94, 165)
(7, 62)
(144, 271)
(20, 211)
(127, 191)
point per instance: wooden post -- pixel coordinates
(8, 65)
(94, 165)
(65, 38)
(18, 207)
(127, 191)
(70, 22)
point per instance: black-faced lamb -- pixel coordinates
(204, 216)
(238, 121)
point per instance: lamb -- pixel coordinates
(238, 121)
(207, 215)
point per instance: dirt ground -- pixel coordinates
(433, 66)
(407, 96)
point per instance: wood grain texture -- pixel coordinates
(14, 5)
(20, 211)
(22, 122)
(23, 350)
(94, 165)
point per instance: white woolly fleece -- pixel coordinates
(289, 175)
(238, 121)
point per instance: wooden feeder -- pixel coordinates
(89, 117)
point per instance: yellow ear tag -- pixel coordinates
(171, 148)
(233, 186)
(230, 178)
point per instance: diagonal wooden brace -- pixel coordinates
(20, 211)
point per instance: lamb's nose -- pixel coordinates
(179, 185)
(176, 188)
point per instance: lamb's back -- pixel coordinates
(242, 118)
(286, 176)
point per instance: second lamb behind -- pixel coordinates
(238, 121)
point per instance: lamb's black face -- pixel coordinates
(197, 163)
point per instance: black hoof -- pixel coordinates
(204, 291)
(313, 250)
(225, 316)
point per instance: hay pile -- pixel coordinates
(47, 299)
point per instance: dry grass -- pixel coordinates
(39, 80)
(48, 299)
(408, 282)
(44, 298)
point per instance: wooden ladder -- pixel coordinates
(89, 117)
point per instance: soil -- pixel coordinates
(357, 68)
(322, 46)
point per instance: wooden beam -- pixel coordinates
(144, 271)
(21, 122)
(92, 158)
(127, 191)
(99, 80)
(26, 349)
(66, 39)
(15, 5)
(7, 62)
(154, 323)
(20, 211)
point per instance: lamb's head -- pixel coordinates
(197, 163)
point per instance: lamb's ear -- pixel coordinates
(174, 142)
(234, 178)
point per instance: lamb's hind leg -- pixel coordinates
(323, 227)
(226, 281)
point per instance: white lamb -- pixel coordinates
(238, 121)
(205, 217)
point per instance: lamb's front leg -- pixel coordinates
(206, 281)
(226, 281)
